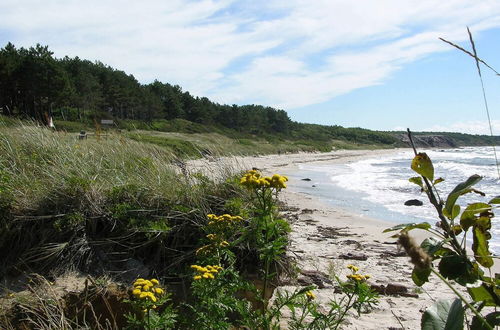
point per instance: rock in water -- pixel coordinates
(414, 202)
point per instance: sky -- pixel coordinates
(375, 64)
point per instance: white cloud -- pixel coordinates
(286, 54)
(357, 46)
(471, 127)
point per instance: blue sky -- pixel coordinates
(376, 63)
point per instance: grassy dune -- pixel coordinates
(64, 202)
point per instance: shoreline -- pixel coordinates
(326, 238)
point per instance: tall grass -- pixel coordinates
(93, 204)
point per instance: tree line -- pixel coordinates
(35, 84)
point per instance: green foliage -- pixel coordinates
(97, 199)
(306, 313)
(463, 139)
(152, 311)
(444, 315)
(218, 286)
(179, 125)
(216, 305)
(316, 145)
(454, 262)
(422, 165)
(6, 121)
(81, 93)
(461, 189)
(72, 126)
(408, 227)
(69, 222)
(180, 148)
(420, 276)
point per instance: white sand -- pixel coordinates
(359, 235)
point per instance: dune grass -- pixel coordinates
(90, 204)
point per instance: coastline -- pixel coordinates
(325, 239)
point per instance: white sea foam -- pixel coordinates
(384, 181)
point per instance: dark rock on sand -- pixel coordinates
(351, 256)
(393, 289)
(414, 202)
(314, 277)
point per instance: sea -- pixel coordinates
(378, 187)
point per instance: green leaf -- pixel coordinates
(457, 229)
(480, 246)
(472, 274)
(459, 190)
(469, 215)
(409, 226)
(438, 180)
(431, 245)
(418, 181)
(422, 164)
(444, 315)
(495, 200)
(453, 266)
(455, 212)
(492, 318)
(420, 276)
(484, 223)
(481, 293)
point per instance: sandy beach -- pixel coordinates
(325, 239)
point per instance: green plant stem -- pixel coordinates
(266, 261)
(344, 312)
(462, 298)
(149, 321)
(304, 314)
(439, 208)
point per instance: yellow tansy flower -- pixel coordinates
(353, 268)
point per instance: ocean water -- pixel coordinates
(379, 187)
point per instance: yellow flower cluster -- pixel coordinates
(253, 180)
(223, 219)
(310, 295)
(147, 289)
(217, 241)
(353, 268)
(206, 272)
(204, 249)
(355, 276)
